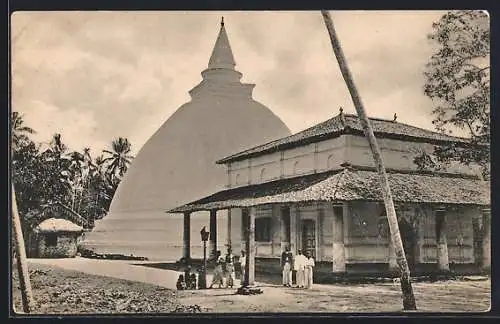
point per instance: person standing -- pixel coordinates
(218, 271)
(286, 266)
(229, 268)
(309, 268)
(243, 263)
(299, 266)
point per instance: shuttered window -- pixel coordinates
(263, 229)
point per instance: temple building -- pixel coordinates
(177, 164)
(318, 191)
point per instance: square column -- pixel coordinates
(212, 241)
(285, 227)
(249, 279)
(186, 238)
(486, 239)
(294, 232)
(229, 226)
(443, 263)
(338, 264)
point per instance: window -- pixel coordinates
(237, 178)
(51, 239)
(263, 229)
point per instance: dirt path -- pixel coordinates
(149, 285)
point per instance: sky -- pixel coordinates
(98, 75)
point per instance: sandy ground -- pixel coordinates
(79, 286)
(448, 296)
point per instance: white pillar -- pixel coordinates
(249, 279)
(294, 215)
(338, 247)
(441, 241)
(229, 241)
(486, 239)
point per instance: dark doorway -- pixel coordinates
(309, 237)
(409, 238)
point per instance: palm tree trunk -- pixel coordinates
(22, 265)
(406, 287)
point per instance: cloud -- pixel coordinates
(100, 75)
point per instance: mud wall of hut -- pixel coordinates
(65, 247)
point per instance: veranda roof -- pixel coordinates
(350, 184)
(55, 225)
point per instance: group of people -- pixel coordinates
(303, 265)
(224, 269)
(187, 280)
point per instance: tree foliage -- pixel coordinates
(458, 81)
(43, 176)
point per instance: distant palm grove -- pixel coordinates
(47, 174)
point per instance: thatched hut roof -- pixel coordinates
(351, 184)
(347, 124)
(57, 225)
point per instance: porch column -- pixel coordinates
(187, 239)
(486, 239)
(441, 242)
(249, 279)
(284, 227)
(212, 241)
(294, 215)
(338, 264)
(229, 242)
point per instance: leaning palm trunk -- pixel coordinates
(22, 266)
(406, 287)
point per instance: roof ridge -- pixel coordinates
(222, 160)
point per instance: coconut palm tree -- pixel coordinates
(20, 132)
(119, 159)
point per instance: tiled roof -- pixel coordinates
(345, 124)
(350, 185)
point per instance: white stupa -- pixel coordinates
(177, 164)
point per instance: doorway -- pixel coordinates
(409, 238)
(309, 237)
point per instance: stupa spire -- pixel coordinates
(222, 55)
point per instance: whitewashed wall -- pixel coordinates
(328, 155)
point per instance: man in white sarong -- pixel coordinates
(300, 266)
(286, 266)
(309, 268)
(243, 263)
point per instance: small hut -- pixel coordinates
(56, 238)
